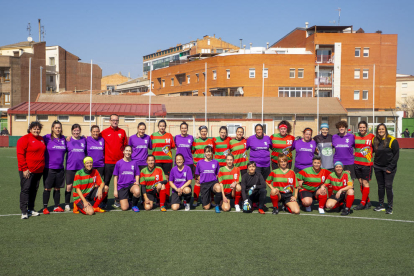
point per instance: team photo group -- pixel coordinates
(237, 173)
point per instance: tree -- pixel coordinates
(407, 105)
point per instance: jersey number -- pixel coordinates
(168, 141)
(368, 142)
(289, 142)
(290, 180)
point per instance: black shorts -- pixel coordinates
(125, 193)
(101, 171)
(109, 170)
(53, 178)
(152, 195)
(306, 193)
(351, 169)
(166, 167)
(90, 197)
(276, 165)
(70, 176)
(364, 172)
(264, 171)
(285, 198)
(206, 189)
(341, 198)
(175, 199)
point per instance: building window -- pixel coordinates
(232, 129)
(228, 74)
(365, 94)
(305, 118)
(325, 120)
(163, 83)
(295, 92)
(208, 41)
(252, 73)
(198, 77)
(204, 74)
(219, 51)
(20, 118)
(63, 118)
(51, 61)
(42, 118)
(357, 73)
(6, 99)
(366, 52)
(152, 85)
(264, 128)
(51, 79)
(280, 118)
(292, 73)
(172, 81)
(129, 119)
(214, 75)
(356, 95)
(106, 119)
(365, 74)
(404, 85)
(88, 118)
(404, 95)
(301, 73)
(265, 73)
(188, 78)
(357, 52)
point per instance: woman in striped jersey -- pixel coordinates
(221, 146)
(342, 187)
(282, 144)
(238, 149)
(282, 183)
(229, 178)
(162, 144)
(311, 186)
(198, 154)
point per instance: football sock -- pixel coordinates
(187, 197)
(237, 198)
(336, 205)
(218, 197)
(212, 197)
(322, 200)
(167, 189)
(56, 197)
(163, 196)
(289, 210)
(135, 201)
(365, 193)
(46, 196)
(98, 201)
(196, 192)
(349, 201)
(67, 197)
(275, 200)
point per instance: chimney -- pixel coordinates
(214, 35)
(267, 45)
(241, 40)
(129, 75)
(306, 25)
(251, 45)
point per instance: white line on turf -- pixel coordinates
(212, 210)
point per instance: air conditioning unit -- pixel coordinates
(249, 115)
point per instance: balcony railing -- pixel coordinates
(4, 79)
(324, 59)
(324, 81)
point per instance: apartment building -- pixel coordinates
(404, 90)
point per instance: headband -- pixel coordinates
(87, 158)
(283, 125)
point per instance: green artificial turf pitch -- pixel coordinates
(205, 243)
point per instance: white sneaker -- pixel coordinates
(187, 207)
(308, 209)
(32, 213)
(67, 208)
(321, 211)
(195, 203)
(25, 216)
(237, 207)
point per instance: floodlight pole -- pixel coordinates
(90, 100)
(262, 90)
(149, 107)
(30, 84)
(205, 96)
(373, 100)
(317, 105)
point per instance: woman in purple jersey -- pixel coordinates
(183, 144)
(305, 150)
(344, 144)
(140, 144)
(259, 146)
(54, 172)
(207, 170)
(96, 149)
(74, 160)
(180, 182)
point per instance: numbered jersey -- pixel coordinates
(363, 149)
(198, 148)
(149, 178)
(285, 182)
(339, 182)
(227, 177)
(281, 145)
(238, 149)
(85, 182)
(311, 179)
(162, 146)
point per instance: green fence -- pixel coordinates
(13, 140)
(408, 123)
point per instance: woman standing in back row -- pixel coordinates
(259, 145)
(282, 144)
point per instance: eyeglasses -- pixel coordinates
(114, 120)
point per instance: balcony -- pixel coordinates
(323, 82)
(324, 59)
(4, 79)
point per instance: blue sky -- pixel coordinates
(116, 34)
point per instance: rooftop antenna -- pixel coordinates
(29, 28)
(339, 19)
(332, 22)
(43, 32)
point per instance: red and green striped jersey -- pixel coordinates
(198, 148)
(339, 182)
(221, 149)
(311, 179)
(227, 177)
(281, 145)
(285, 182)
(363, 149)
(149, 178)
(238, 149)
(85, 182)
(162, 146)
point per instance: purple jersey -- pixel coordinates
(304, 153)
(183, 146)
(179, 178)
(259, 150)
(96, 150)
(126, 172)
(207, 171)
(140, 147)
(76, 153)
(344, 148)
(55, 151)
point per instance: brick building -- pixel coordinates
(110, 82)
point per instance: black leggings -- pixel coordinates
(384, 181)
(28, 191)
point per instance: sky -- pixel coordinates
(117, 34)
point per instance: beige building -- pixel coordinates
(110, 82)
(404, 90)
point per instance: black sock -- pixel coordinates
(135, 201)
(67, 197)
(56, 197)
(187, 197)
(217, 198)
(46, 196)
